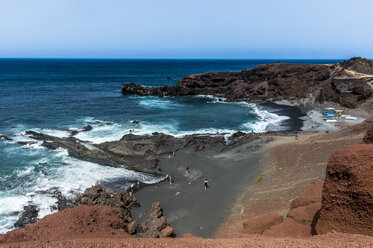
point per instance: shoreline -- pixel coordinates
(298, 115)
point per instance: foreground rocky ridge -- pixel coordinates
(348, 83)
(100, 213)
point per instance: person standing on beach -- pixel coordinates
(187, 170)
(206, 183)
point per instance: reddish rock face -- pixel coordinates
(260, 224)
(300, 218)
(347, 198)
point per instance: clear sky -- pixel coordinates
(240, 29)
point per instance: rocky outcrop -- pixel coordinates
(155, 226)
(156, 145)
(4, 137)
(368, 138)
(29, 215)
(77, 149)
(347, 197)
(358, 64)
(302, 83)
(122, 202)
(131, 151)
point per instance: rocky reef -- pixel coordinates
(299, 83)
(138, 152)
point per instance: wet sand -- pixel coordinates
(188, 206)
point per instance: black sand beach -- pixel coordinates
(188, 206)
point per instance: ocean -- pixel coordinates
(52, 95)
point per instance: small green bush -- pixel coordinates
(258, 179)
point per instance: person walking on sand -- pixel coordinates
(187, 170)
(206, 184)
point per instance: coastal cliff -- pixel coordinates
(347, 83)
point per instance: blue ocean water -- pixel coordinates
(51, 95)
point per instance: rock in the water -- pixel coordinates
(87, 128)
(347, 197)
(4, 137)
(156, 223)
(29, 215)
(135, 122)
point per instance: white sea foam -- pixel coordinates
(264, 119)
(9, 205)
(103, 133)
(158, 103)
(55, 170)
(53, 132)
(214, 99)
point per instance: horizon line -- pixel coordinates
(110, 58)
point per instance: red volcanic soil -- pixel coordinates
(75, 223)
(335, 240)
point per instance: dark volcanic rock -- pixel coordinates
(87, 128)
(349, 92)
(76, 149)
(358, 64)
(132, 151)
(301, 83)
(121, 201)
(4, 137)
(29, 215)
(156, 224)
(153, 146)
(347, 197)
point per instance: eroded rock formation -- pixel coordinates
(155, 226)
(347, 197)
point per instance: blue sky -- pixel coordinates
(186, 29)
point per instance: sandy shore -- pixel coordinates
(188, 206)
